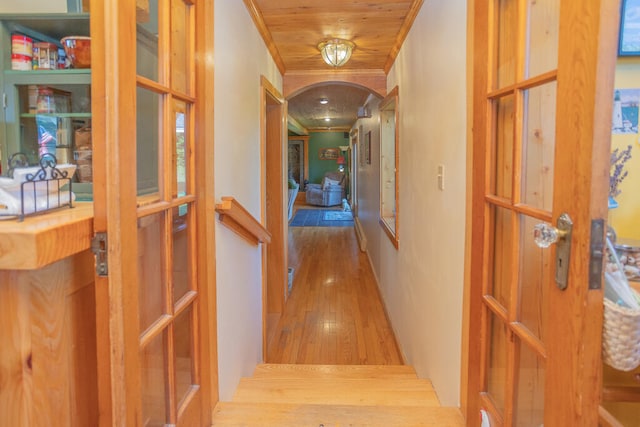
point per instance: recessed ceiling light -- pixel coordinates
(324, 101)
(327, 119)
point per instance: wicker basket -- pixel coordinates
(621, 336)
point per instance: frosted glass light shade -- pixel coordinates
(336, 52)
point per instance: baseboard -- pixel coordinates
(362, 239)
(403, 357)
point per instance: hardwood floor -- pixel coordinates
(334, 314)
(323, 395)
(333, 318)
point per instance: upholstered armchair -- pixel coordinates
(329, 192)
(293, 193)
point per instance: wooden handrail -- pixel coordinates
(606, 419)
(237, 218)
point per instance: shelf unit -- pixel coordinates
(19, 122)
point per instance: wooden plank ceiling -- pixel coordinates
(292, 30)
(340, 110)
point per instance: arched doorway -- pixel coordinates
(344, 103)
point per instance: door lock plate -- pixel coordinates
(99, 248)
(597, 253)
(563, 251)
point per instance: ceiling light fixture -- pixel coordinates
(336, 52)
(324, 101)
(327, 119)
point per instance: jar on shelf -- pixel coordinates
(46, 101)
(21, 45)
(32, 92)
(20, 62)
(21, 52)
(47, 56)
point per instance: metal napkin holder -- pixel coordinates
(48, 178)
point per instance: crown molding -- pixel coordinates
(258, 20)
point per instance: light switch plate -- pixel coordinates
(441, 177)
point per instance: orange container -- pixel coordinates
(20, 62)
(21, 45)
(78, 50)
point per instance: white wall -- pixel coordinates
(240, 59)
(422, 281)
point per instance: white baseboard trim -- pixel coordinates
(362, 239)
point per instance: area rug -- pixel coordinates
(321, 218)
(337, 216)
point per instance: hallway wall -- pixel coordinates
(422, 282)
(317, 140)
(624, 218)
(237, 174)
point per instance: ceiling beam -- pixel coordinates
(294, 126)
(330, 129)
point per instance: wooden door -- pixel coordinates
(274, 207)
(150, 198)
(354, 155)
(295, 161)
(542, 89)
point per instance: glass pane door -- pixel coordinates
(520, 155)
(167, 285)
(540, 153)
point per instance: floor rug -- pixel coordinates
(316, 218)
(337, 216)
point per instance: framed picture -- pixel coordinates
(367, 148)
(328, 153)
(629, 40)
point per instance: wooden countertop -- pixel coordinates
(42, 239)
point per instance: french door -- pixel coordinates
(542, 96)
(150, 199)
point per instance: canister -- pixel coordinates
(62, 155)
(47, 55)
(46, 101)
(32, 91)
(21, 45)
(20, 62)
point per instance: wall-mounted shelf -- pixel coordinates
(50, 77)
(48, 73)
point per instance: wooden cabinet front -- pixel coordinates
(48, 338)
